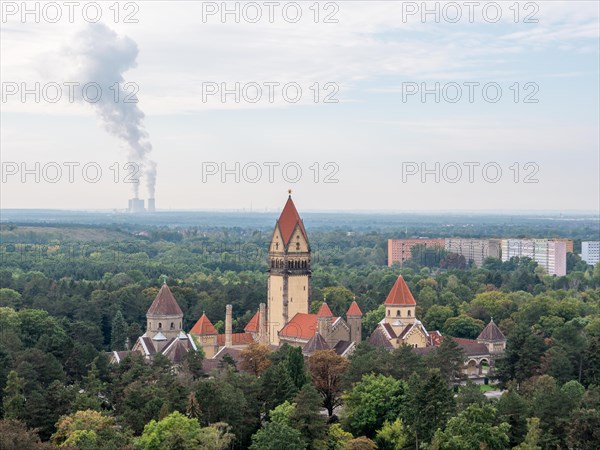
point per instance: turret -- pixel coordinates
(354, 320)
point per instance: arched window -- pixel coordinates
(398, 313)
(159, 325)
(172, 326)
(297, 246)
(389, 312)
(409, 313)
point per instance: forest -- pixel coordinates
(70, 293)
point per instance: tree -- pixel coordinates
(522, 358)
(436, 316)
(463, 326)
(361, 443)
(14, 398)
(449, 358)
(326, 371)
(533, 436)
(468, 395)
(276, 386)
(177, 432)
(472, 429)
(404, 362)
(10, 298)
(307, 418)
(118, 332)
(294, 362)
(584, 431)
(513, 409)
(14, 435)
(367, 359)
(337, 438)
(372, 401)
(277, 436)
(430, 403)
(255, 359)
(89, 429)
(392, 436)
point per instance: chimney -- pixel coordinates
(228, 326)
(263, 336)
(151, 205)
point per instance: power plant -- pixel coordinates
(151, 205)
(136, 205)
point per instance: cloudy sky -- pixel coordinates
(354, 105)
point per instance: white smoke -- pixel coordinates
(102, 57)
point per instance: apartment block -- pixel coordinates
(399, 249)
(590, 252)
(551, 254)
(476, 250)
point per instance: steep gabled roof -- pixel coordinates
(354, 310)
(324, 311)
(491, 333)
(252, 325)
(315, 343)
(177, 350)
(302, 326)
(203, 326)
(164, 304)
(400, 294)
(288, 220)
(379, 339)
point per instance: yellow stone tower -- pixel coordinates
(289, 271)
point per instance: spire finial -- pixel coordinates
(164, 279)
(491, 318)
(290, 192)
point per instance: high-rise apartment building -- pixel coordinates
(399, 250)
(549, 253)
(590, 252)
(476, 250)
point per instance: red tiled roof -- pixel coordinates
(236, 339)
(400, 294)
(302, 326)
(288, 220)
(164, 304)
(203, 326)
(354, 310)
(324, 311)
(252, 325)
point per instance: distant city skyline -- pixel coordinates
(367, 152)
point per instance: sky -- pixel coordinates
(363, 105)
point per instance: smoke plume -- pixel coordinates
(102, 57)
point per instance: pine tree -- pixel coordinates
(14, 397)
(118, 332)
(277, 386)
(307, 418)
(295, 367)
(193, 407)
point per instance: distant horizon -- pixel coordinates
(490, 212)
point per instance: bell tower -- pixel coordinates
(289, 271)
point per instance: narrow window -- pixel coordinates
(159, 325)
(398, 313)
(172, 326)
